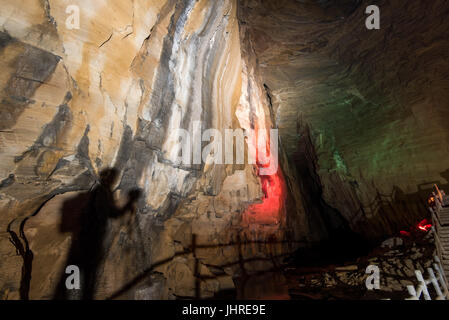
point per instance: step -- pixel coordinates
(442, 237)
(442, 252)
(442, 248)
(440, 241)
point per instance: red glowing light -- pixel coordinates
(271, 208)
(405, 233)
(424, 225)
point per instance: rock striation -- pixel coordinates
(77, 101)
(87, 114)
(360, 111)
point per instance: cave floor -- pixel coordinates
(344, 281)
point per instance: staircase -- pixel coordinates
(440, 219)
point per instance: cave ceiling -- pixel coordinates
(373, 101)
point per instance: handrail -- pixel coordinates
(438, 227)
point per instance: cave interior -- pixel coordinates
(93, 184)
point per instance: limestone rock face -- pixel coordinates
(76, 101)
(366, 107)
(91, 175)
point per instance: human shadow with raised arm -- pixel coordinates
(86, 216)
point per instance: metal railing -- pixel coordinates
(438, 281)
(440, 230)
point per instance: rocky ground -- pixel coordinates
(337, 282)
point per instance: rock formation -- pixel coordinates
(360, 120)
(107, 95)
(362, 110)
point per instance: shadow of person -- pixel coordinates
(86, 217)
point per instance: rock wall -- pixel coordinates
(87, 114)
(371, 101)
(75, 102)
